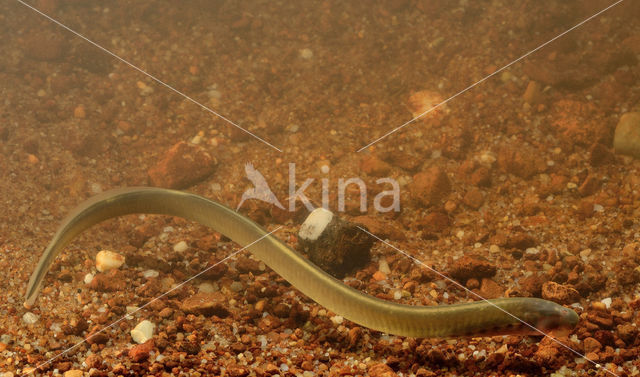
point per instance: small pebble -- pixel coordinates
(29, 318)
(88, 278)
(73, 373)
(108, 260)
(142, 332)
(79, 112)
(306, 53)
(384, 266)
(379, 276)
(180, 247)
(149, 274)
(626, 139)
(206, 288)
(315, 224)
(606, 302)
(32, 159)
(337, 319)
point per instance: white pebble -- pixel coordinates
(150, 274)
(337, 319)
(383, 266)
(108, 260)
(397, 295)
(606, 302)
(306, 53)
(206, 288)
(180, 247)
(29, 318)
(88, 278)
(315, 224)
(142, 332)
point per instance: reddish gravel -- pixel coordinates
(513, 188)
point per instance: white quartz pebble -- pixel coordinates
(108, 260)
(180, 247)
(315, 224)
(143, 331)
(29, 318)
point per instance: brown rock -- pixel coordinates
(532, 285)
(422, 372)
(281, 310)
(490, 289)
(521, 162)
(521, 241)
(379, 276)
(93, 361)
(246, 264)
(626, 139)
(533, 94)
(403, 160)
(430, 187)
(111, 281)
(207, 304)
(434, 222)
(628, 333)
(560, 293)
(380, 229)
(97, 337)
(473, 283)
(75, 326)
(355, 334)
(140, 352)
(473, 198)
(165, 313)
(472, 266)
(591, 345)
(341, 248)
(183, 165)
(238, 371)
(590, 185)
(381, 370)
(372, 165)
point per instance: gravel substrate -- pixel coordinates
(513, 188)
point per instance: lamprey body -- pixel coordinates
(466, 319)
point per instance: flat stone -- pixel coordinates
(207, 304)
(626, 139)
(182, 165)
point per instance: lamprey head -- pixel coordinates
(547, 318)
(556, 319)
